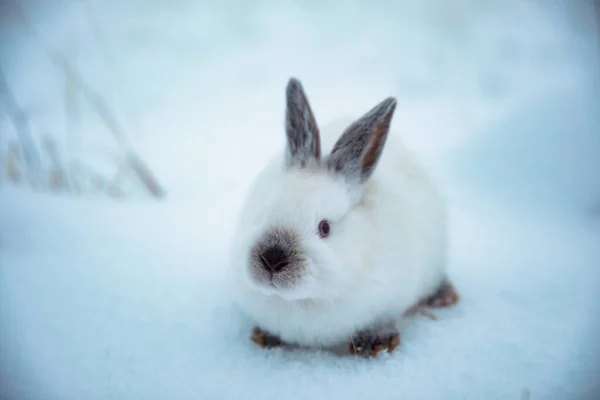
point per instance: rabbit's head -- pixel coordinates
(304, 228)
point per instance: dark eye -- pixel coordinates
(324, 228)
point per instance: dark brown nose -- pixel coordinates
(274, 258)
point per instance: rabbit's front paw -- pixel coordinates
(369, 344)
(265, 339)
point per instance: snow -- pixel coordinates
(129, 299)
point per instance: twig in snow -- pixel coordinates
(13, 163)
(73, 125)
(19, 119)
(58, 179)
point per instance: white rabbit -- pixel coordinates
(334, 248)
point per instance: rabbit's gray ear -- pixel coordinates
(356, 153)
(303, 140)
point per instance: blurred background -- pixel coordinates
(178, 103)
(152, 98)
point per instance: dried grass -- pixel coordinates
(23, 157)
(26, 146)
(13, 163)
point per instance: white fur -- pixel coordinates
(387, 253)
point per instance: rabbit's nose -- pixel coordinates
(274, 258)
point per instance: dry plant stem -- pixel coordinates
(139, 167)
(73, 127)
(119, 178)
(19, 120)
(145, 175)
(13, 162)
(58, 179)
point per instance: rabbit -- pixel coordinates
(337, 240)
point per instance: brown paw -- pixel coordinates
(445, 296)
(369, 345)
(264, 339)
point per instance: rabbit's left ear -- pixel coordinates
(303, 140)
(356, 153)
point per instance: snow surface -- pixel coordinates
(129, 300)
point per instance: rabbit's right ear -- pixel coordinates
(303, 140)
(356, 153)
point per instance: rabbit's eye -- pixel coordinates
(324, 228)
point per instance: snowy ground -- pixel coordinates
(128, 300)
